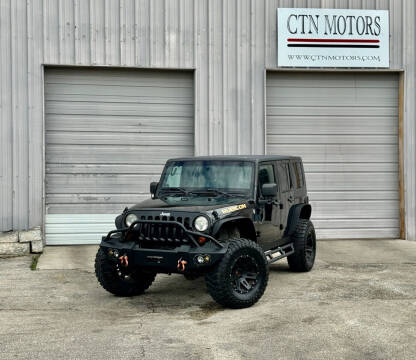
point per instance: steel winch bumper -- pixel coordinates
(188, 256)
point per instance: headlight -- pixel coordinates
(201, 223)
(130, 219)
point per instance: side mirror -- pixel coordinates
(153, 188)
(269, 189)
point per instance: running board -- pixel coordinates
(279, 253)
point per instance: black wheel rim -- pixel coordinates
(244, 274)
(310, 247)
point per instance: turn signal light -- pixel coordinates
(202, 240)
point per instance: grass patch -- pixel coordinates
(34, 263)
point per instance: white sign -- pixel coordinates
(332, 38)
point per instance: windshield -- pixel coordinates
(214, 177)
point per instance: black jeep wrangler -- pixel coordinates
(224, 217)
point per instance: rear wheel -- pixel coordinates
(119, 280)
(304, 241)
(240, 278)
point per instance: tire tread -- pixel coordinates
(104, 271)
(217, 286)
(297, 261)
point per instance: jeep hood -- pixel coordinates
(153, 204)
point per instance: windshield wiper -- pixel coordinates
(183, 191)
(217, 192)
(174, 190)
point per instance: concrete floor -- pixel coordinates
(359, 302)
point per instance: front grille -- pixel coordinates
(161, 236)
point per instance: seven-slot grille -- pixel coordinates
(159, 235)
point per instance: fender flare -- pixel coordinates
(250, 231)
(296, 212)
(119, 221)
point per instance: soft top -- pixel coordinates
(254, 158)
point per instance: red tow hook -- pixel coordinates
(124, 260)
(181, 265)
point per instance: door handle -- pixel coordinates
(290, 199)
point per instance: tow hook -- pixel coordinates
(124, 260)
(181, 265)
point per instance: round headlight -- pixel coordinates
(130, 219)
(201, 223)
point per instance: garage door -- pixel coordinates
(345, 127)
(108, 134)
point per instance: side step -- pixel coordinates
(279, 253)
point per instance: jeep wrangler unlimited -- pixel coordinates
(224, 217)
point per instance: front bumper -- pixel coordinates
(127, 243)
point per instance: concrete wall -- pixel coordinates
(229, 43)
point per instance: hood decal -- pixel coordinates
(230, 209)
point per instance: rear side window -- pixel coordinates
(296, 175)
(289, 176)
(283, 176)
(302, 180)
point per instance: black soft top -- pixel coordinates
(253, 158)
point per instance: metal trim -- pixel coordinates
(348, 70)
(103, 66)
(43, 158)
(402, 199)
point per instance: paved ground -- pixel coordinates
(359, 302)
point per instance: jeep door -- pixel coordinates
(267, 209)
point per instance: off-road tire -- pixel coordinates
(219, 280)
(304, 241)
(108, 277)
(191, 277)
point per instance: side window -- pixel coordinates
(283, 176)
(289, 176)
(296, 175)
(300, 172)
(266, 175)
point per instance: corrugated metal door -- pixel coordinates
(345, 127)
(108, 134)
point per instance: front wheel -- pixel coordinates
(118, 280)
(304, 241)
(240, 278)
